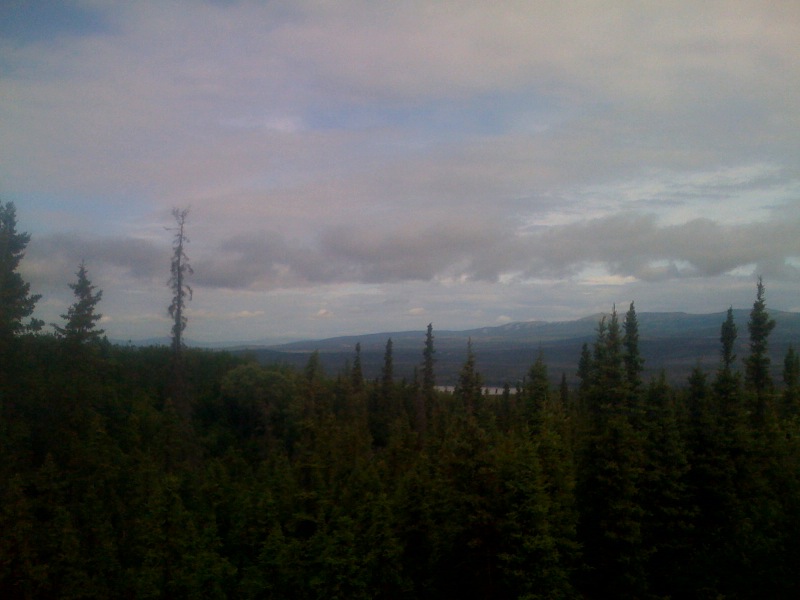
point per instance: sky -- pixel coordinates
(362, 166)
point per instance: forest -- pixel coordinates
(170, 472)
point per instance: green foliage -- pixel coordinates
(428, 361)
(728, 339)
(469, 391)
(81, 318)
(664, 494)
(611, 513)
(16, 301)
(536, 394)
(760, 326)
(387, 373)
(357, 376)
(633, 360)
(791, 380)
(758, 380)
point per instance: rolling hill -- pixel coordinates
(675, 342)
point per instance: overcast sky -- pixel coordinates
(367, 166)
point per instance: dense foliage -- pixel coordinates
(284, 483)
(287, 484)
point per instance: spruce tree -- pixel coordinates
(180, 269)
(470, 384)
(82, 318)
(313, 369)
(727, 337)
(357, 374)
(563, 391)
(387, 374)
(791, 379)
(537, 393)
(612, 369)
(664, 494)
(610, 524)
(632, 358)
(181, 291)
(608, 392)
(757, 377)
(585, 371)
(726, 384)
(16, 301)
(720, 472)
(381, 401)
(585, 367)
(428, 360)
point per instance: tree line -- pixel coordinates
(169, 472)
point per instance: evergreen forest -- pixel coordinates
(171, 472)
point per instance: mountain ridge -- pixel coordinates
(673, 341)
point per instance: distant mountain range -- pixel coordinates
(675, 342)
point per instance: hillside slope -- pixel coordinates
(675, 342)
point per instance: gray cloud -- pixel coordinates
(56, 257)
(635, 245)
(628, 245)
(446, 147)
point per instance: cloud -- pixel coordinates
(55, 257)
(478, 148)
(625, 245)
(123, 102)
(637, 246)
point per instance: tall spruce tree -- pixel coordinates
(387, 374)
(470, 384)
(607, 494)
(382, 405)
(537, 393)
(664, 494)
(428, 360)
(791, 380)
(357, 374)
(16, 301)
(585, 373)
(608, 391)
(727, 385)
(719, 446)
(634, 363)
(757, 376)
(82, 317)
(727, 337)
(612, 369)
(180, 269)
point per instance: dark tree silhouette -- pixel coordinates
(387, 374)
(81, 318)
(757, 375)
(16, 301)
(428, 360)
(357, 374)
(180, 269)
(634, 363)
(728, 338)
